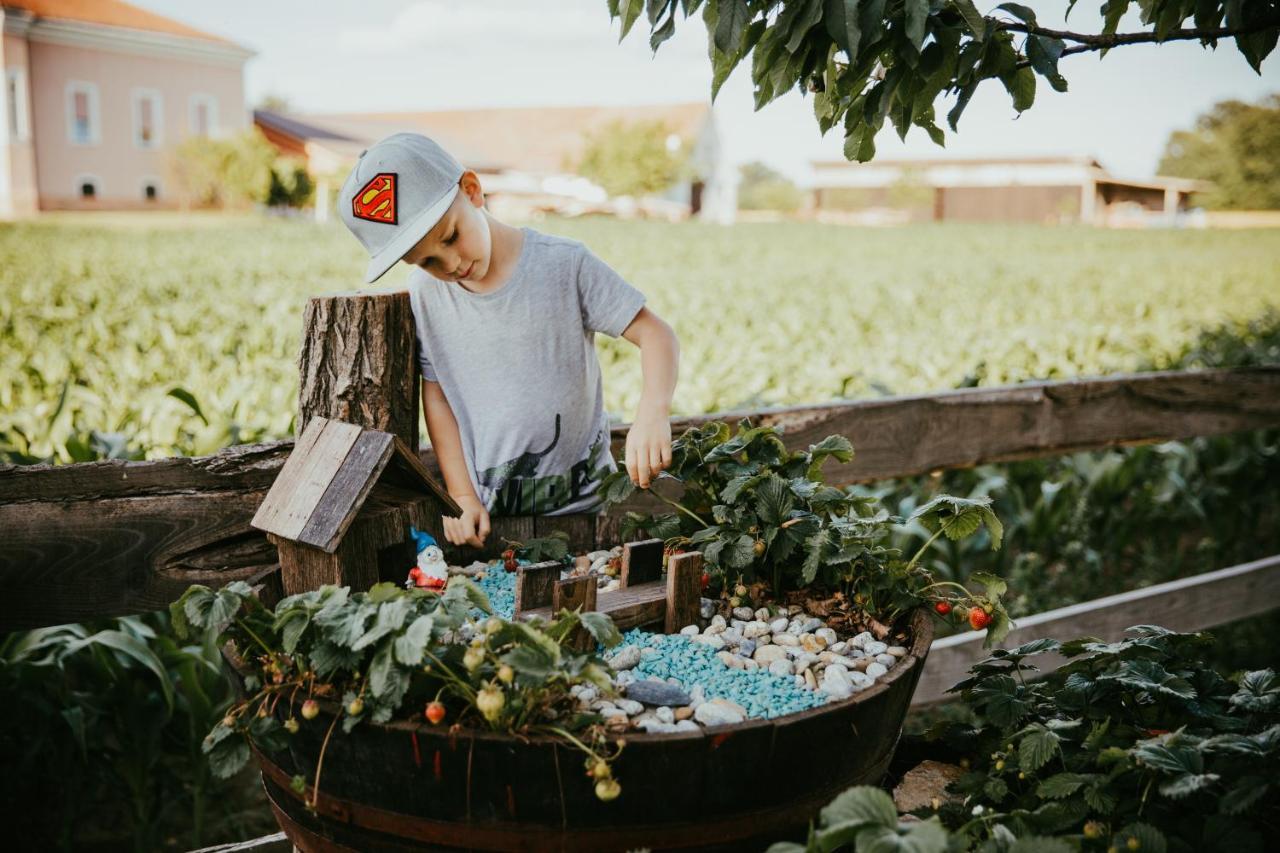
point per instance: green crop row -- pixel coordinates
(161, 336)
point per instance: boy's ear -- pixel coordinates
(470, 186)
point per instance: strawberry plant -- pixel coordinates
(1135, 739)
(391, 653)
(759, 511)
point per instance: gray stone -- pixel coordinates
(808, 626)
(763, 614)
(747, 648)
(731, 637)
(657, 693)
(860, 641)
(706, 608)
(746, 614)
(626, 658)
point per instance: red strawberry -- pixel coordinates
(979, 618)
(511, 565)
(508, 555)
(706, 579)
(943, 607)
(434, 712)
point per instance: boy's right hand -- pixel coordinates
(471, 527)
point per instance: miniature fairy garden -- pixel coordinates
(803, 604)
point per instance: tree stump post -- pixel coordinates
(358, 363)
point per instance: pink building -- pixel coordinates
(97, 93)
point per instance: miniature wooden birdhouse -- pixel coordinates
(340, 510)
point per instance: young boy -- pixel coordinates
(506, 319)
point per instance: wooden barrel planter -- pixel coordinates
(403, 786)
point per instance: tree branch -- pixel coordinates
(1102, 41)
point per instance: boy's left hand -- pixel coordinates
(648, 447)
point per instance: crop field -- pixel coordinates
(181, 334)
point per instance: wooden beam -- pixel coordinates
(78, 560)
(1187, 604)
(684, 590)
(902, 436)
(578, 593)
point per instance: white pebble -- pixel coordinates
(786, 639)
(718, 621)
(860, 641)
(777, 626)
(686, 726)
(887, 661)
(782, 667)
(763, 614)
(690, 630)
(630, 707)
(709, 640)
(755, 629)
(875, 647)
(876, 670)
(666, 715)
(897, 651)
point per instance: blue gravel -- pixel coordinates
(762, 693)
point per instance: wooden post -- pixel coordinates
(535, 586)
(684, 590)
(358, 363)
(641, 562)
(572, 594)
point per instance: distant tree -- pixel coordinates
(632, 158)
(1235, 145)
(762, 188)
(229, 172)
(274, 104)
(871, 60)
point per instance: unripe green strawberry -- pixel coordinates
(291, 726)
(489, 702)
(506, 674)
(355, 707)
(608, 789)
(472, 658)
(309, 709)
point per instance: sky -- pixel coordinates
(381, 55)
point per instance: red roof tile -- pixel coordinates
(112, 13)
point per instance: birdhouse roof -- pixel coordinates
(328, 476)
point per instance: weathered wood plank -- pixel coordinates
(79, 560)
(641, 562)
(535, 586)
(901, 436)
(271, 514)
(278, 843)
(576, 593)
(345, 494)
(684, 590)
(300, 489)
(1187, 604)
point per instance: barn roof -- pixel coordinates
(328, 476)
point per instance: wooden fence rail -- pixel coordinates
(1187, 604)
(110, 538)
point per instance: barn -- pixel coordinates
(1045, 190)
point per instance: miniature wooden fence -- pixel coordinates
(643, 597)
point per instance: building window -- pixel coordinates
(82, 113)
(15, 100)
(148, 118)
(87, 188)
(203, 118)
(150, 189)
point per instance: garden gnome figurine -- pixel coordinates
(431, 572)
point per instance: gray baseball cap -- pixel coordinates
(395, 194)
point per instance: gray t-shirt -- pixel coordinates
(518, 366)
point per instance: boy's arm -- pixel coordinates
(472, 526)
(649, 439)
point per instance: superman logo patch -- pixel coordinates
(376, 201)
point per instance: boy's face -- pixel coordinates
(459, 247)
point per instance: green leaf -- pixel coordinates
(629, 11)
(1023, 13)
(774, 500)
(532, 661)
(741, 552)
(1036, 748)
(1259, 692)
(1187, 784)
(1244, 794)
(469, 589)
(227, 754)
(921, 837)
(1022, 87)
(601, 628)
(917, 17)
(733, 17)
(1169, 758)
(1062, 785)
(972, 17)
(1043, 53)
(616, 487)
(1150, 839)
(133, 648)
(411, 646)
(861, 804)
(390, 616)
(187, 397)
